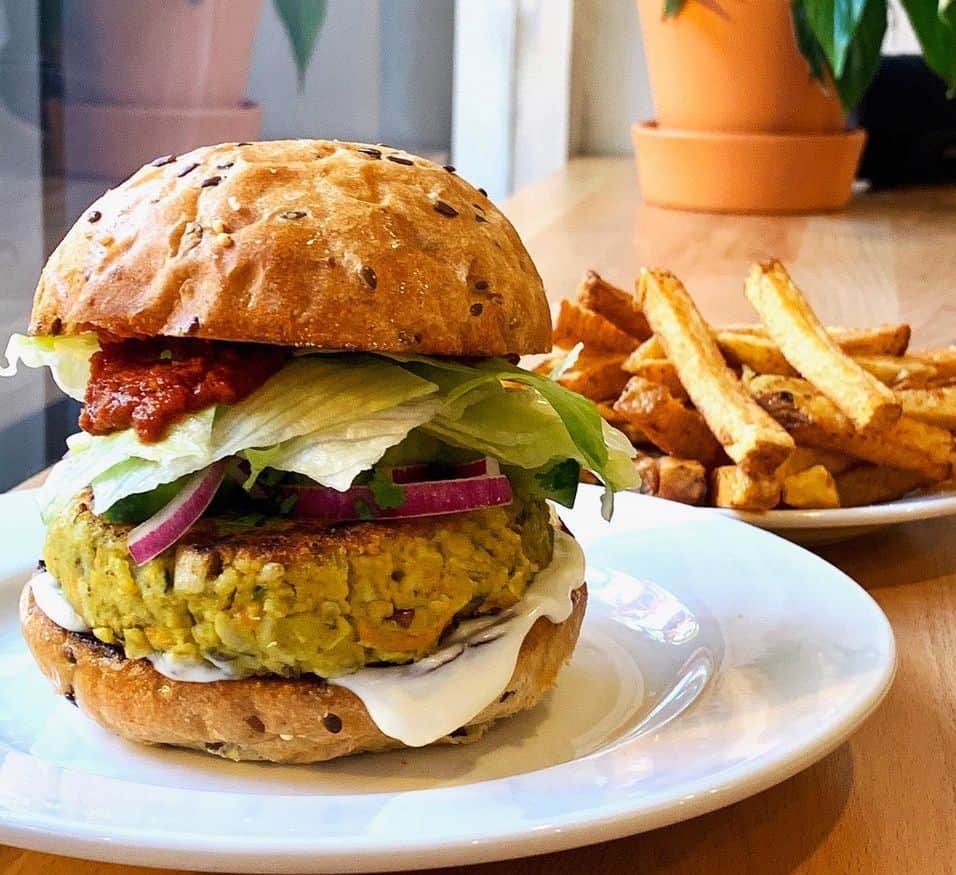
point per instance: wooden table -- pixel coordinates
(884, 802)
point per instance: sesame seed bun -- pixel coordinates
(275, 719)
(301, 243)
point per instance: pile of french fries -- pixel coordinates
(783, 413)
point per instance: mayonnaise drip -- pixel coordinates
(423, 701)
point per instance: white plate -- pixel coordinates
(715, 661)
(818, 527)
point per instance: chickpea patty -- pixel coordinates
(291, 597)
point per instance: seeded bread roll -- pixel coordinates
(283, 721)
(301, 243)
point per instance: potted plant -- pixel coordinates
(164, 76)
(752, 97)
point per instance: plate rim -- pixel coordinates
(346, 854)
(910, 509)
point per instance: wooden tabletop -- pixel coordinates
(885, 801)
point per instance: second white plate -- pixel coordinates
(715, 660)
(819, 527)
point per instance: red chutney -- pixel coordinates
(151, 384)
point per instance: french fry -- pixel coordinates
(804, 342)
(616, 305)
(751, 438)
(576, 324)
(895, 370)
(753, 351)
(943, 360)
(661, 371)
(816, 421)
(881, 340)
(871, 484)
(810, 457)
(683, 480)
(812, 487)
(669, 425)
(622, 423)
(936, 405)
(649, 350)
(732, 487)
(596, 376)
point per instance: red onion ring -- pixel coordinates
(422, 499)
(167, 526)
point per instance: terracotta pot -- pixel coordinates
(151, 53)
(733, 65)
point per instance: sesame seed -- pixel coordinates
(372, 153)
(210, 181)
(234, 203)
(397, 159)
(445, 209)
(243, 144)
(285, 736)
(218, 227)
(476, 308)
(224, 240)
(162, 161)
(481, 285)
(333, 723)
(94, 216)
(225, 166)
(483, 192)
(368, 274)
(189, 168)
(292, 214)
(449, 167)
(480, 218)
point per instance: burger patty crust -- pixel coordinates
(290, 597)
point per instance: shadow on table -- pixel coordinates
(771, 834)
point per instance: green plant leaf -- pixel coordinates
(935, 24)
(302, 20)
(863, 55)
(809, 45)
(835, 24)
(673, 7)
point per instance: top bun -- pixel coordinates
(310, 243)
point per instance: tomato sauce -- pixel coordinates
(151, 384)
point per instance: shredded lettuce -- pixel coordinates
(68, 358)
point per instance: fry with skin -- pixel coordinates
(751, 437)
(661, 371)
(816, 421)
(732, 487)
(804, 342)
(871, 484)
(812, 487)
(614, 304)
(893, 370)
(936, 406)
(576, 324)
(669, 425)
(596, 376)
(683, 480)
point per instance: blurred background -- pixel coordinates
(506, 90)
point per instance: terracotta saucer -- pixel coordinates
(745, 173)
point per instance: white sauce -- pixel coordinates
(50, 599)
(420, 702)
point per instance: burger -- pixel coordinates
(309, 509)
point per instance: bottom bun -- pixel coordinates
(272, 718)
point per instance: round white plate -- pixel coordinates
(818, 527)
(715, 661)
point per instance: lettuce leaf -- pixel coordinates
(68, 357)
(315, 395)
